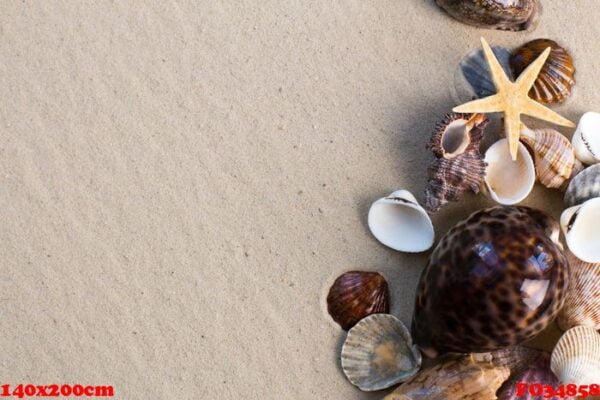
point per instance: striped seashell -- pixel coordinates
(576, 357)
(584, 186)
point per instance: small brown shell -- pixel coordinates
(582, 301)
(459, 166)
(355, 295)
(557, 78)
(553, 154)
(456, 379)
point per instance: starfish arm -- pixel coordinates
(527, 78)
(512, 128)
(539, 111)
(486, 105)
(498, 75)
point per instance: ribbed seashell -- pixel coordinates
(495, 280)
(586, 139)
(536, 373)
(454, 379)
(399, 222)
(576, 357)
(514, 15)
(508, 181)
(584, 186)
(553, 156)
(379, 353)
(355, 295)
(473, 79)
(581, 226)
(582, 302)
(459, 166)
(557, 77)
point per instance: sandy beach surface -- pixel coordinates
(181, 181)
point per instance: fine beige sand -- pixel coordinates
(181, 181)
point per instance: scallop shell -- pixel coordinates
(473, 79)
(537, 372)
(581, 227)
(553, 156)
(576, 357)
(515, 15)
(459, 166)
(582, 302)
(455, 379)
(586, 139)
(584, 186)
(506, 181)
(556, 79)
(495, 280)
(379, 353)
(355, 295)
(399, 222)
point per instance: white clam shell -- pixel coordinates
(576, 357)
(379, 353)
(399, 222)
(506, 181)
(586, 139)
(581, 226)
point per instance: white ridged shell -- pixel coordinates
(576, 357)
(399, 222)
(379, 353)
(582, 301)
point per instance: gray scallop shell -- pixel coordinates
(379, 353)
(584, 186)
(473, 79)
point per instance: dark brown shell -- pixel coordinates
(556, 79)
(537, 372)
(355, 295)
(457, 169)
(494, 280)
(509, 15)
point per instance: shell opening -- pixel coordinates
(508, 182)
(456, 138)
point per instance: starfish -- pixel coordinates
(512, 98)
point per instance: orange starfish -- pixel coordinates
(512, 98)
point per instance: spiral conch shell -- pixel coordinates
(582, 301)
(459, 166)
(553, 155)
(514, 15)
(466, 378)
(576, 357)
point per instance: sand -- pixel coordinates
(180, 183)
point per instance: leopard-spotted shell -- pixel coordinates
(496, 279)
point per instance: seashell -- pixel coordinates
(537, 373)
(586, 139)
(557, 77)
(456, 379)
(553, 155)
(459, 165)
(514, 15)
(355, 295)
(584, 186)
(494, 280)
(506, 181)
(582, 301)
(399, 222)
(576, 357)
(516, 358)
(379, 353)
(473, 79)
(581, 227)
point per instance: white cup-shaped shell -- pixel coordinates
(399, 222)
(506, 181)
(576, 357)
(581, 226)
(586, 139)
(379, 353)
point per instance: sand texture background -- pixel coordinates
(181, 181)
